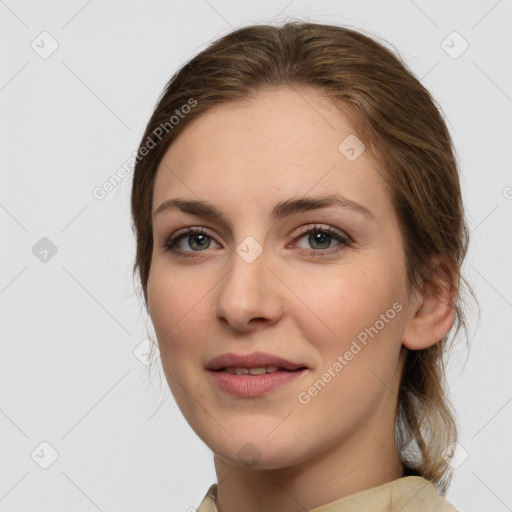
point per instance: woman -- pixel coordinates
(300, 233)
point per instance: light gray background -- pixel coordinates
(70, 325)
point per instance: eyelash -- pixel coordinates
(346, 241)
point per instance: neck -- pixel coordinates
(353, 465)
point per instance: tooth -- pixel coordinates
(261, 370)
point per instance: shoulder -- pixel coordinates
(208, 503)
(414, 493)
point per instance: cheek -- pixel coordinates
(342, 303)
(177, 307)
(361, 317)
(362, 313)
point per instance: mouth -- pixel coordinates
(254, 374)
(261, 370)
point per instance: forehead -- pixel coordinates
(284, 142)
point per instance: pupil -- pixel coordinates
(320, 238)
(194, 238)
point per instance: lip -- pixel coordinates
(253, 385)
(252, 360)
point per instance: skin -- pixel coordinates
(244, 158)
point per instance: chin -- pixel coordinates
(257, 452)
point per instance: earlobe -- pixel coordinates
(432, 314)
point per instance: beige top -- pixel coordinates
(408, 494)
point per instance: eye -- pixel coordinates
(321, 238)
(196, 238)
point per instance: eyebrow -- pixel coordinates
(283, 209)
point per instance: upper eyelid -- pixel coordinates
(307, 227)
(190, 230)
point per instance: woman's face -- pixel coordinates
(253, 281)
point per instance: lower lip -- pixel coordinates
(253, 385)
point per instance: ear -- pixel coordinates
(432, 313)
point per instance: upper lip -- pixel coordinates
(253, 360)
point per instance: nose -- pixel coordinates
(248, 296)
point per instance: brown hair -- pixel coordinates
(402, 128)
